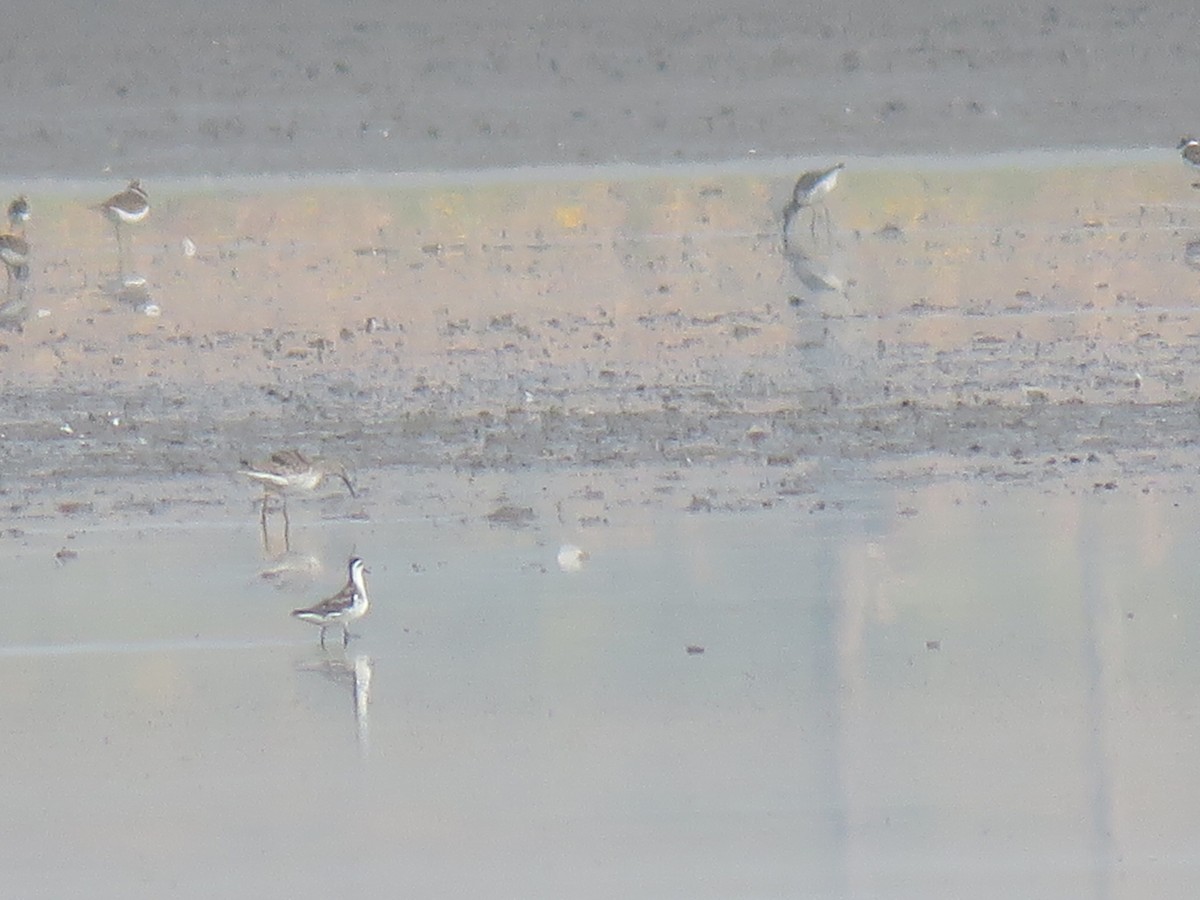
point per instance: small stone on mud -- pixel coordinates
(1191, 255)
(756, 434)
(694, 649)
(513, 516)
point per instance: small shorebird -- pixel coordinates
(126, 208)
(1189, 149)
(810, 189)
(14, 249)
(344, 607)
(18, 213)
(291, 472)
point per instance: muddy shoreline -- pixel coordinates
(617, 322)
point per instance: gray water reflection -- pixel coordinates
(354, 673)
(132, 292)
(931, 692)
(14, 312)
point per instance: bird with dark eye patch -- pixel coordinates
(347, 605)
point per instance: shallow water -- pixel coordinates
(902, 692)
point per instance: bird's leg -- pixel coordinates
(322, 637)
(120, 251)
(345, 635)
(789, 212)
(812, 222)
(287, 527)
(262, 519)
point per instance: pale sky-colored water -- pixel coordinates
(934, 691)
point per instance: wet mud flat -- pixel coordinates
(1018, 317)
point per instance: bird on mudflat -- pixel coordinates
(811, 188)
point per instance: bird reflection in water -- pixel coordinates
(809, 258)
(132, 292)
(14, 312)
(355, 674)
(291, 571)
(813, 273)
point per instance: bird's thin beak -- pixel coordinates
(349, 486)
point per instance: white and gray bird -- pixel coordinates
(1189, 149)
(346, 606)
(811, 188)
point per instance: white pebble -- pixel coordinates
(571, 558)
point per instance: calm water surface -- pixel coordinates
(940, 691)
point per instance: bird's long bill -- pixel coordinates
(349, 486)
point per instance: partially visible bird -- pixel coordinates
(1189, 149)
(18, 213)
(14, 248)
(811, 188)
(347, 605)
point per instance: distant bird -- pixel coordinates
(291, 472)
(18, 213)
(130, 206)
(14, 249)
(347, 605)
(1189, 149)
(810, 189)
